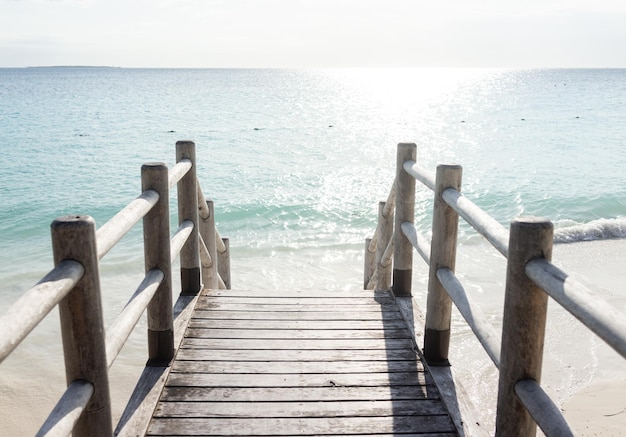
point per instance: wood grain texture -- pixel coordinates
(335, 325)
(363, 298)
(305, 334)
(300, 426)
(286, 364)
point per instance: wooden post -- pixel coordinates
(156, 239)
(82, 329)
(207, 231)
(523, 324)
(190, 274)
(442, 254)
(405, 212)
(223, 263)
(383, 280)
(369, 263)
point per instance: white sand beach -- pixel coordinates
(599, 408)
(585, 376)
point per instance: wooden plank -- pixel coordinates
(297, 315)
(300, 409)
(326, 294)
(218, 305)
(295, 394)
(421, 434)
(296, 355)
(357, 343)
(263, 367)
(298, 380)
(298, 366)
(300, 426)
(265, 300)
(299, 324)
(295, 333)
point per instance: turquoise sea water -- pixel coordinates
(296, 161)
(299, 158)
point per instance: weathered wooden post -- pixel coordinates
(369, 263)
(156, 239)
(190, 272)
(442, 254)
(207, 232)
(405, 212)
(82, 329)
(223, 263)
(523, 324)
(383, 279)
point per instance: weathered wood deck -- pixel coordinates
(294, 364)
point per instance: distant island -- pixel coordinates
(74, 66)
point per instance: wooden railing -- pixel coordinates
(74, 284)
(531, 277)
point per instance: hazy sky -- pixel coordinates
(313, 33)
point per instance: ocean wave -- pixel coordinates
(601, 229)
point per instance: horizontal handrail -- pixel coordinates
(473, 315)
(372, 282)
(390, 203)
(419, 242)
(25, 314)
(371, 248)
(113, 230)
(388, 254)
(443, 282)
(484, 331)
(177, 172)
(205, 256)
(68, 409)
(421, 174)
(180, 237)
(126, 321)
(542, 409)
(220, 283)
(597, 315)
(30, 309)
(475, 318)
(93, 245)
(484, 224)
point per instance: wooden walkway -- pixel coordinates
(294, 364)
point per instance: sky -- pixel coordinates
(313, 33)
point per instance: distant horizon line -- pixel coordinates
(312, 67)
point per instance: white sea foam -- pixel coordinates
(601, 229)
